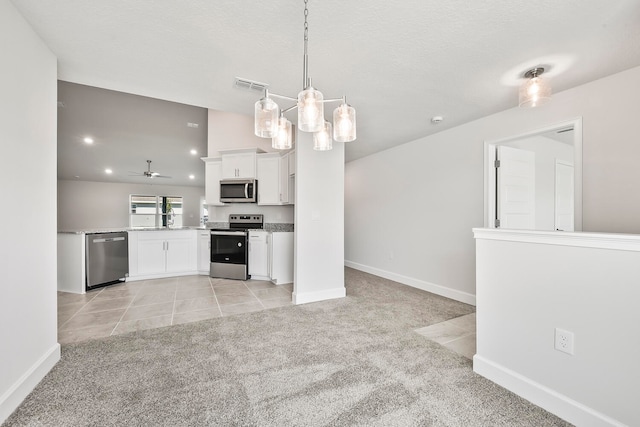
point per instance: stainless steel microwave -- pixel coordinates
(244, 190)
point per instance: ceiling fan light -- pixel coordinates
(266, 118)
(310, 110)
(282, 140)
(344, 123)
(536, 91)
(322, 140)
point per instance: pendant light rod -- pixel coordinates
(306, 81)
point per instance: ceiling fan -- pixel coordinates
(149, 174)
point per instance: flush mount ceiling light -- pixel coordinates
(535, 91)
(270, 121)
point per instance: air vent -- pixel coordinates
(251, 85)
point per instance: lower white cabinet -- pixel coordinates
(204, 251)
(154, 254)
(281, 257)
(259, 255)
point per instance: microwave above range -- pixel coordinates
(243, 190)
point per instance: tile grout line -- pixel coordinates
(125, 312)
(254, 295)
(79, 310)
(213, 289)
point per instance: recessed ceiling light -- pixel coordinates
(194, 152)
(192, 177)
(88, 140)
(108, 171)
(437, 119)
(77, 177)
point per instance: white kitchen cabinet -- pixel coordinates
(239, 165)
(273, 179)
(281, 257)
(291, 157)
(155, 254)
(204, 251)
(259, 255)
(213, 174)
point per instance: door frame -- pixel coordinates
(490, 178)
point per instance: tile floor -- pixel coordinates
(457, 334)
(132, 306)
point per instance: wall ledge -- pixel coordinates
(621, 242)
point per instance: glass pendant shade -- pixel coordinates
(322, 140)
(534, 92)
(266, 118)
(282, 140)
(310, 110)
(344, 123)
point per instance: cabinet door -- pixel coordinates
(239, 165)
(151, 256)
(213, 173)
(204, 251)
(284, 180)
(292, 162)
(268, 181)
(180, 255)
(258, 254)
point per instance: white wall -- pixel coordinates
(28, 331)
(547, 151)
(85, 205)
(319, 220)
(229, 131)
(272, 214)
(590, 286)
(409, 210)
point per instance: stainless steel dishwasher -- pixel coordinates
(107, 258)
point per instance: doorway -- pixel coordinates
(547, 197)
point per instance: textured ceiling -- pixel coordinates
(399, 63)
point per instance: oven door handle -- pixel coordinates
(228, 233)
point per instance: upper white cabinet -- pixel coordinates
(273, 179)
(239, 165)
(213, 174)
(291, 157)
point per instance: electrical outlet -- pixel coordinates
(564, 341)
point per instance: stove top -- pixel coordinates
(243, 223)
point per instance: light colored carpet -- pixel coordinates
(352, 361)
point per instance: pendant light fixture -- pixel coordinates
(270, 121)
(535, 91)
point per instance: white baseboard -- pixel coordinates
(162, 275)
(548, 399)
(14, 396)
(306, 297)
(464, 297)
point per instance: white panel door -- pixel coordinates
(151, 256)
(516, 188)
(564, 196)
(180, 255)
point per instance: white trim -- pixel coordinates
(454, 294)
(327, 294)
(538, 394)
(621, 242)
(489, 177)
(165, 275)
(14, 396)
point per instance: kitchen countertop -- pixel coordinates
(271, 227)
(119, 230)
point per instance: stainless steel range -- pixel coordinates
(229, 247)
